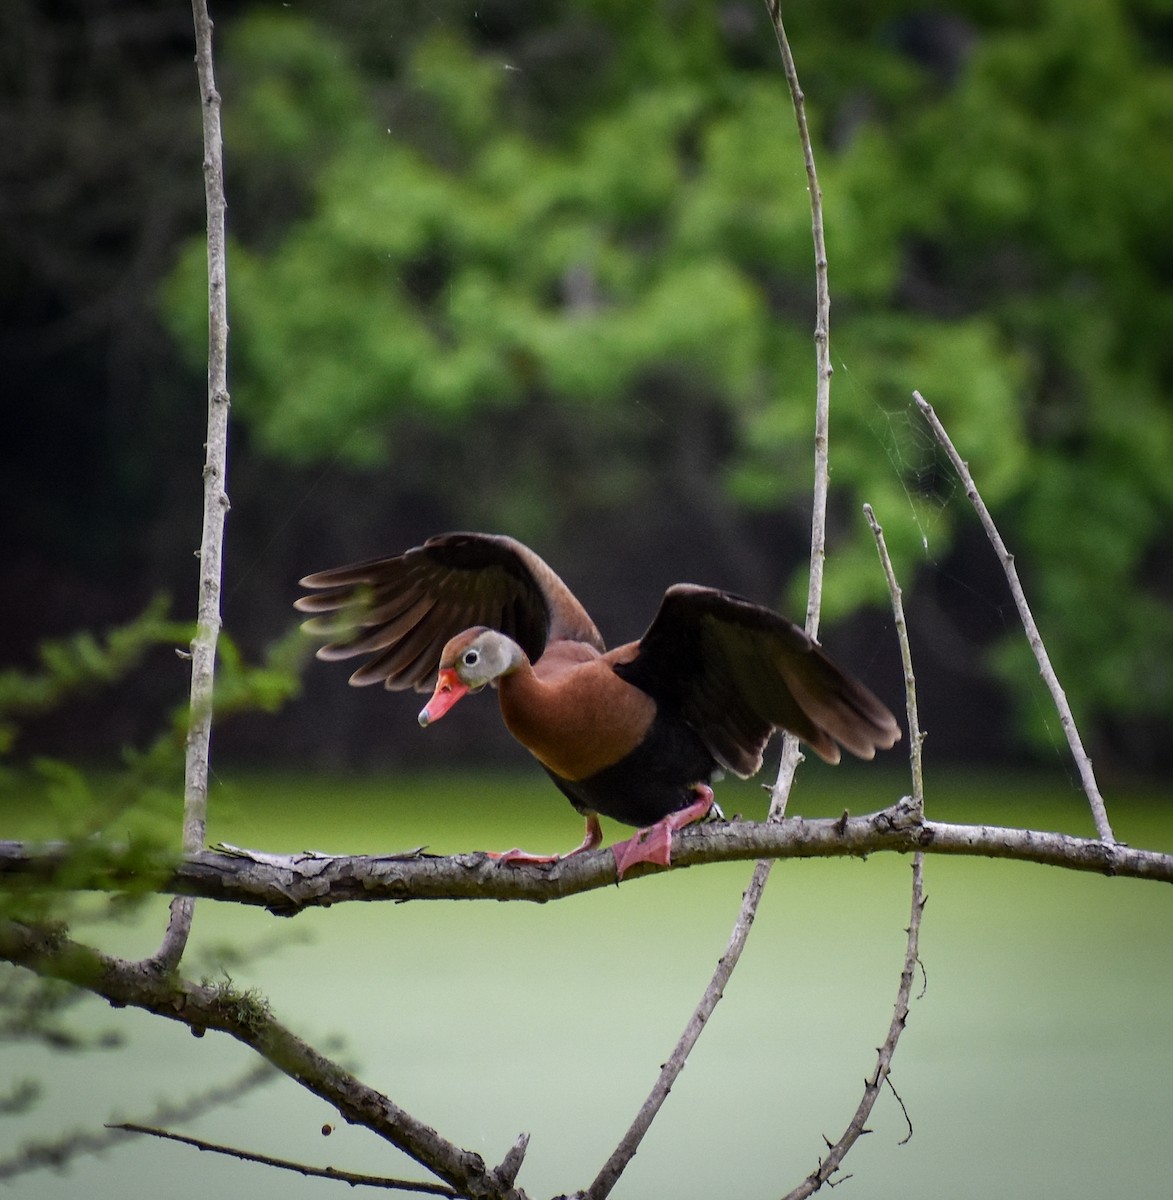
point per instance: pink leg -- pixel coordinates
(654, 844)
(592, 839)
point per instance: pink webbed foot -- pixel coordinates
(591, 840)
(654, 844)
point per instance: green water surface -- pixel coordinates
(1037, 1063)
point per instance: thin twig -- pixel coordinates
(1082, 762)
(829, 1165)
(57, 1154)
(203, 645)
(791, 756)
(873, 1085)
(915, 736)
(892, 1087)
(285, 1164)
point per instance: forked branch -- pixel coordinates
(247, 1018)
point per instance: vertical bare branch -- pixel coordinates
(625, 1151)
(856, 1127)
(875, 1083)
(915, 737)
(822, 331)
(791, 755)
(1082, 762)
(203, 646)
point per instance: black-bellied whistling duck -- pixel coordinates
(636, 733)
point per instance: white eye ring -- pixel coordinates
(471, 657)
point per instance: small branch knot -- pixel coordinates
(506, 1173)
(904, 814)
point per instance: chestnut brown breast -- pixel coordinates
(573, 713)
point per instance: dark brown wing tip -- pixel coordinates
(322, 579)
(873, 730)
(827, 749)
(334, 652)
(366, 677)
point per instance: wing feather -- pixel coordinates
(736, 672)
(403, 610)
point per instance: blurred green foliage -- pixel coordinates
(78, 663)
(125, 819)
(121, 826)
(547, 214)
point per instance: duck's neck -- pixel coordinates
(571, 711)
(521, 693)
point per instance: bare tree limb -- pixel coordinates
(285, 1164)
(1082, 762)
(203, 645)
(247, 1018)
(288, 883)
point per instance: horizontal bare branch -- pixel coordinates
(286, 884)
(351, 1178)
(61, 1151)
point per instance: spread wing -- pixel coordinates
(401, 611)
(736, 672)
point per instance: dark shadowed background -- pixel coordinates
(545, 269)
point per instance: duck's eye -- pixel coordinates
(471, 658)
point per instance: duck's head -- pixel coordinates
(469, 661)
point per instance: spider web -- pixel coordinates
(929, 484)
(935, 502)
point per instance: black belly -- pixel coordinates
(655, 779)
